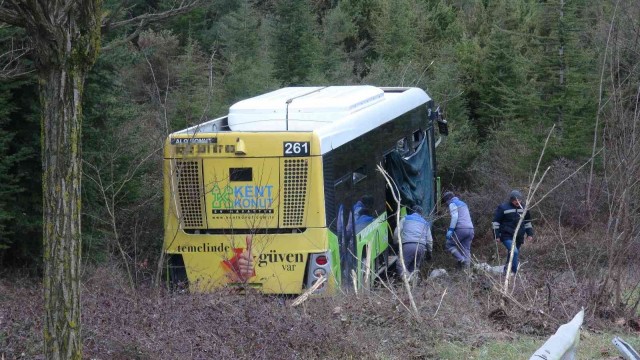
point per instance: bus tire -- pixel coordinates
(176, 274)
(382, 265)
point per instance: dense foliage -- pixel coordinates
(503, 72)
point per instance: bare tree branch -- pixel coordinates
(142, 21)
(10, 16)
(108, 19)
(10, 65)
(153, 17)
(600, 93)
(124, 40)
(33, 14)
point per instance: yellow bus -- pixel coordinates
(284, 191)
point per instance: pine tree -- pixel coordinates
(245, 66)
(395, 28)
(567, 74)
(499, 69)
(9, 183)
(294, 44)
(334, 63)
(359, 44)
(20, 183)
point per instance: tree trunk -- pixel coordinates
(66, 51)
(65, 37)
(60, 94)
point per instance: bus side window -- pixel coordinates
(418, 135)
(359, 174)
(343, 181)
(402, 146)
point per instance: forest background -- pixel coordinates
(506, 73)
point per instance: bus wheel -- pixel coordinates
(176, 274)
(363, 270)
(383, 266)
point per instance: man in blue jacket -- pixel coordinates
(460, 233)
(415, 234)
(505, 221)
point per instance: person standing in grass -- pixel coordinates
(460, 232)
(505, 221)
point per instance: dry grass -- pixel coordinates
(149, 324)
(559, 276)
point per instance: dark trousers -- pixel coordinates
(516, 251)
(459, 245)
(413, 256)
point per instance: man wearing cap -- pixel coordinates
(505, 221)
(460, 232)
(415, 234)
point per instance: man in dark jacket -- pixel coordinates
(505, 221)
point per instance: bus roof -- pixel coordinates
(301, 108)
(336, 113)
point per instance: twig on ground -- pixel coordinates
(302, 298)
(440, 303)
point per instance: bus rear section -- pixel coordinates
(233, 196)
(288, 181)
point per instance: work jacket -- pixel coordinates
(415, 229)
(505, 220)
(460, 216)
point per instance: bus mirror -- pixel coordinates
(240, 147)
(443, 127)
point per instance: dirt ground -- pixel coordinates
(148, 323)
